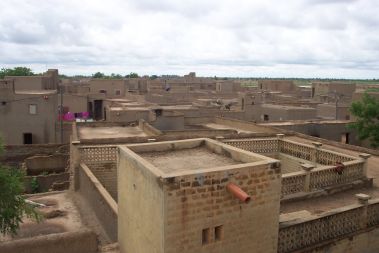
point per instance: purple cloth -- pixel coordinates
(85, 115)
(69, 116)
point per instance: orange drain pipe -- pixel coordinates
(238, 193)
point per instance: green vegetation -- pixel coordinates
(372, 90)
(367, 124)
(17, 71)
(34, 185)
(13, 206)
(113, 75)
(132, 75)
(98, 75)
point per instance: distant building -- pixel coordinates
(332, 91)
(29, 114)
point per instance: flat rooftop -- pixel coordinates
(187, 159)
(36, 92)
(286, 107)
(110, 132)
(225, 127)
(191, 156)
(120, 108)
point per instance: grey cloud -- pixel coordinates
(211, 37)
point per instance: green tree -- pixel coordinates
(366, 112)
(115, 76)
(132, 75)
(98, 75)
(17, 71)
(13, 206)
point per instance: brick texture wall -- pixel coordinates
(106, 173)
(199, 202)
(15, 154)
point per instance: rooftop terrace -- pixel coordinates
(188, 156)
(110, 132)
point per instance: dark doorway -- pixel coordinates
(345, 138)
(90, 109)
(158, 112)
(98, 111)
(28, 138)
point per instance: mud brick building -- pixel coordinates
(196, 195)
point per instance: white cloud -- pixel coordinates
(300, 38)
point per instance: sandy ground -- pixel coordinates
(326, 203)
(187, 159)
(110, 132)
(61, 215)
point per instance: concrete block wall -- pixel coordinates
(197, 202)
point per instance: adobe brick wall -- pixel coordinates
(192, 206)
(45, 182)
(98, 199)
(73, 242)
(140, 223)
(106, 173)
(15, 154)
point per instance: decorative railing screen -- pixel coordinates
(292, 183)
(98, 154)
(256, 145)
(308, 233)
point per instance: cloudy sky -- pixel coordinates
(274, 38)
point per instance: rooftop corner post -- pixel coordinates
(280, 138)
(74, 164)
(307, 168)
(365, 158)
(363, 200)
(315, 151)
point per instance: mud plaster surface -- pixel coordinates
(187, 159)
(110, 132)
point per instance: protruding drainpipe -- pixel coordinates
(238, 193)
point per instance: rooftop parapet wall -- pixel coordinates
(98, 198)
(325, 175)
(315, 179)
(306, 234)
(299, 150)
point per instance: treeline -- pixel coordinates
(17, 71)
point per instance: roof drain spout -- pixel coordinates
(238, 193)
